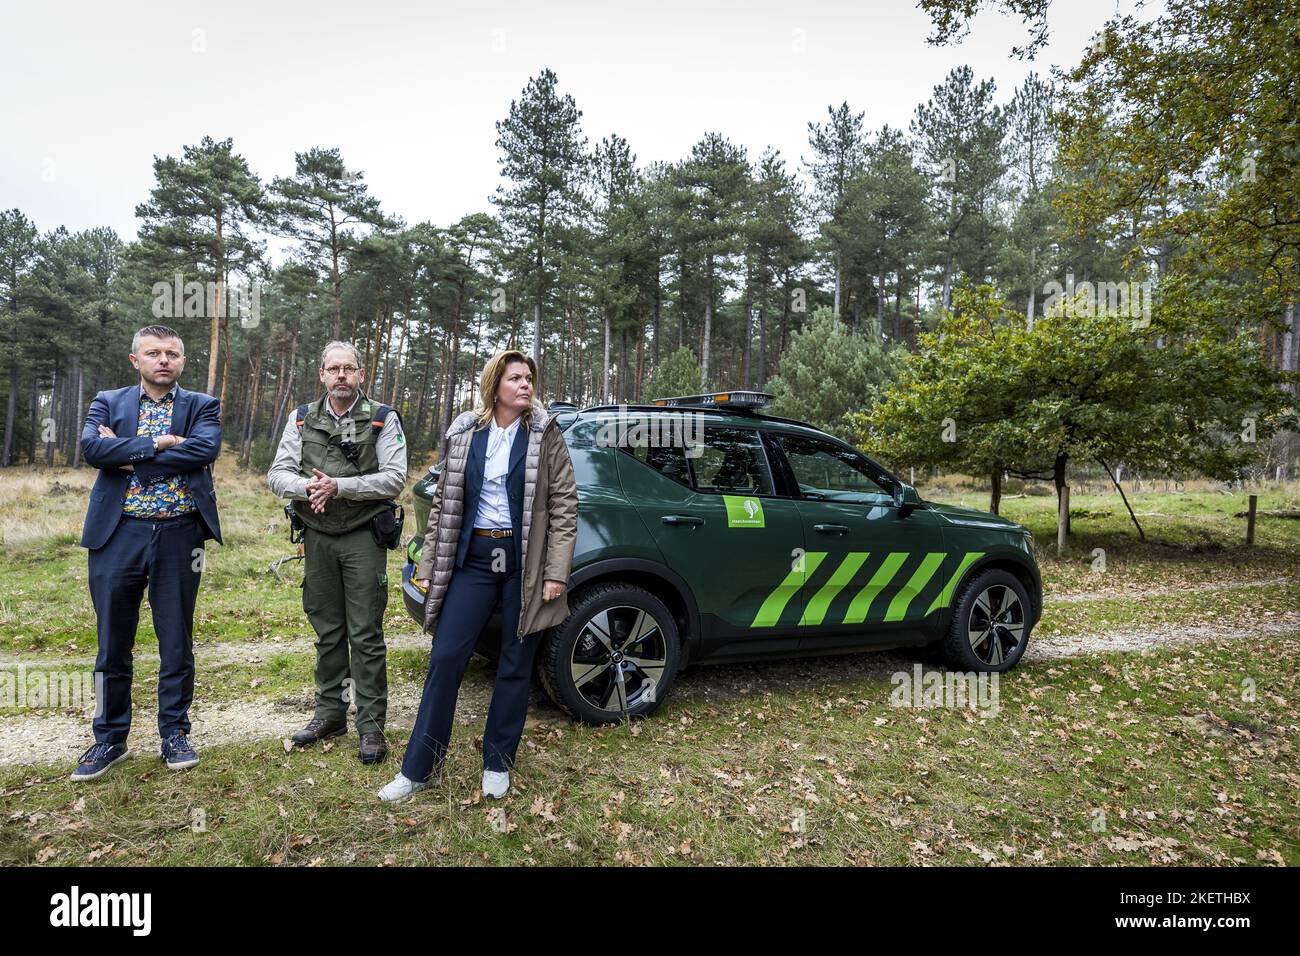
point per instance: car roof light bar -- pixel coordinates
(730, 399)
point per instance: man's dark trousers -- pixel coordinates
(472, 595)
(165, 555)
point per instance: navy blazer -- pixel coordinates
(474, 467)
(196, 417)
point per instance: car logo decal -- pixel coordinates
(743, 512)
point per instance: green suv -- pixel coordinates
(710, 532)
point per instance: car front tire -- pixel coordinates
(990, 624)
(614, 656)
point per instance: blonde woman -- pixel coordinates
(501, 533)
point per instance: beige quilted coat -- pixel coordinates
(550, 521)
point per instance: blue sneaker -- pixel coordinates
(178, 753)
(95, 762)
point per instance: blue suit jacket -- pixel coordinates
(196, 417)
(474, 488)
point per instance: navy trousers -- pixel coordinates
(490, 575)
(166, 557)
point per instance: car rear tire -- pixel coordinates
(990, 624)
(616, 654)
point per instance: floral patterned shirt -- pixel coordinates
(161, 497)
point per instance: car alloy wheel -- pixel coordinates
(997, 624)
(614, 657)
(619, 658)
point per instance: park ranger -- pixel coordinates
(342, 461)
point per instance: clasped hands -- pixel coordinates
(161, 442)
(320, 489)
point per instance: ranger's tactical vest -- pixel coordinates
(324, 446)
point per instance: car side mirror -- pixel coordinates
(905, 499)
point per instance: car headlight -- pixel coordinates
(1029, 543)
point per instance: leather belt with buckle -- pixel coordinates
(494, 532)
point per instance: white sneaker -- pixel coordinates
(496, 783)
(399, 789)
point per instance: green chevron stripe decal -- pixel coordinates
(816, 609)
(915, 584)
(857, 612)
(944, 597)
(775, 603)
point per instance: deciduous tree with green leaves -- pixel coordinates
(1182, 394)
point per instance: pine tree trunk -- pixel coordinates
(640, 365)
(569, 366)
(35, 416)
(708, 329)
(215, 339)
(749, 332)
(286, 394)
(52, 417)
(537, 344)
(11, 408)
(79, 416)
(880, 306)
(453, 363)
(225, 372)
(250, 414)
(622, 367)
(1032, 307)
(337, 326)
(604, 368)
(658, 301)
(421, 406)
(395, 400)
(372, 362)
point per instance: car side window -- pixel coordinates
(826, 471)
(668, 460)
(732, 461)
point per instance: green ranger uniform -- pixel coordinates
(345, 579)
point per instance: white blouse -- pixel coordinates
(494, 502)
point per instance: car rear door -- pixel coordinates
(715, 514)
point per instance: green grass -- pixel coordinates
(1153, 758)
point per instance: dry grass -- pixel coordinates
(40, 504)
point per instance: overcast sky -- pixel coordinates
(410, 91)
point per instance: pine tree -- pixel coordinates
(200, 216)
(542, 157)
(317, 205)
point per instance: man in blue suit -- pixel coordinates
(151, 510)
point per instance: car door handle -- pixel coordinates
(688, 520)
(831, 528)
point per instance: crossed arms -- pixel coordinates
(102, 449)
